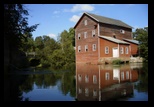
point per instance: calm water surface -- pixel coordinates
(85, 83)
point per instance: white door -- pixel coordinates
(115, 52)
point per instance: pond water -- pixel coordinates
(128, 82)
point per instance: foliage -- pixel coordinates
(16, 25)
(16, 33)
(116, 61)
(141, 35)
(142, 85)
(58, 54)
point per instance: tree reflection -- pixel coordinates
(68, 83)
(27, 84)
(12, 91)
(142, 85)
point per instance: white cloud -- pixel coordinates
(82, 7)
(74, 18)
(56, 12)
(52, 36)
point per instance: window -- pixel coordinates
(86, 92)
(94, 79)
(127, 74)
(106, 50)
(94, 47)
(86, 78)
(107, 76)
(121, 50)
(85, 34)
(80, 90)
(79, 36)
(122, 31)
(122, 75)
(85, 22)
(79, 77)
(93, 33)
(94, 92)
(86, 47)
(126, 50)
(79, 48)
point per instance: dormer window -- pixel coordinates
(122, 31)
(85, 22)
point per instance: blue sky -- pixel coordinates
(55, 18)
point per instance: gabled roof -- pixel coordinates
(132, 41)
(106, 20)
(114, 40)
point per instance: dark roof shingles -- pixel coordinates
(106, 20)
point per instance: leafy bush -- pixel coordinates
(117, 61)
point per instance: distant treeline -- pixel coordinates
(56, 53)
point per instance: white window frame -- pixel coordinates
(127, 74)
(94, 92)
(86, 78)
(122, 75)
(126, 50)
(85, 22)
(79, 77)
(80, 90)
(122, 31)
(94, 79)
(107, 76)
(86, 92)
(85, 35)
(106, 50)
(94, 47)
(79, 36)
(86, 48)
(93, 33)
(121, 50)
(79, 48)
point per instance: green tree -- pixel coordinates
(141, 35)
(15, 29)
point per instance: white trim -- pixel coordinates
(94, 79)
(79, 48)
(126, 50)
(121, 50)
(85, 22)
(79, 35)
(107, 76)
(88, 15)
(93, 33)
(118, 50)
(85, 35)
(93, 47)
(106, 47)
(86, 47)
(91, 16)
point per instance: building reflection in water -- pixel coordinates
(104, 82)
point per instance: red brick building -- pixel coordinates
(99, 37)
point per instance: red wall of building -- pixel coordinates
(111, 45)
(90, 55)
(110, 30)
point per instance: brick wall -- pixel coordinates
(110, 30)
(90, 55)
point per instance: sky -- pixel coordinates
(53, 19)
